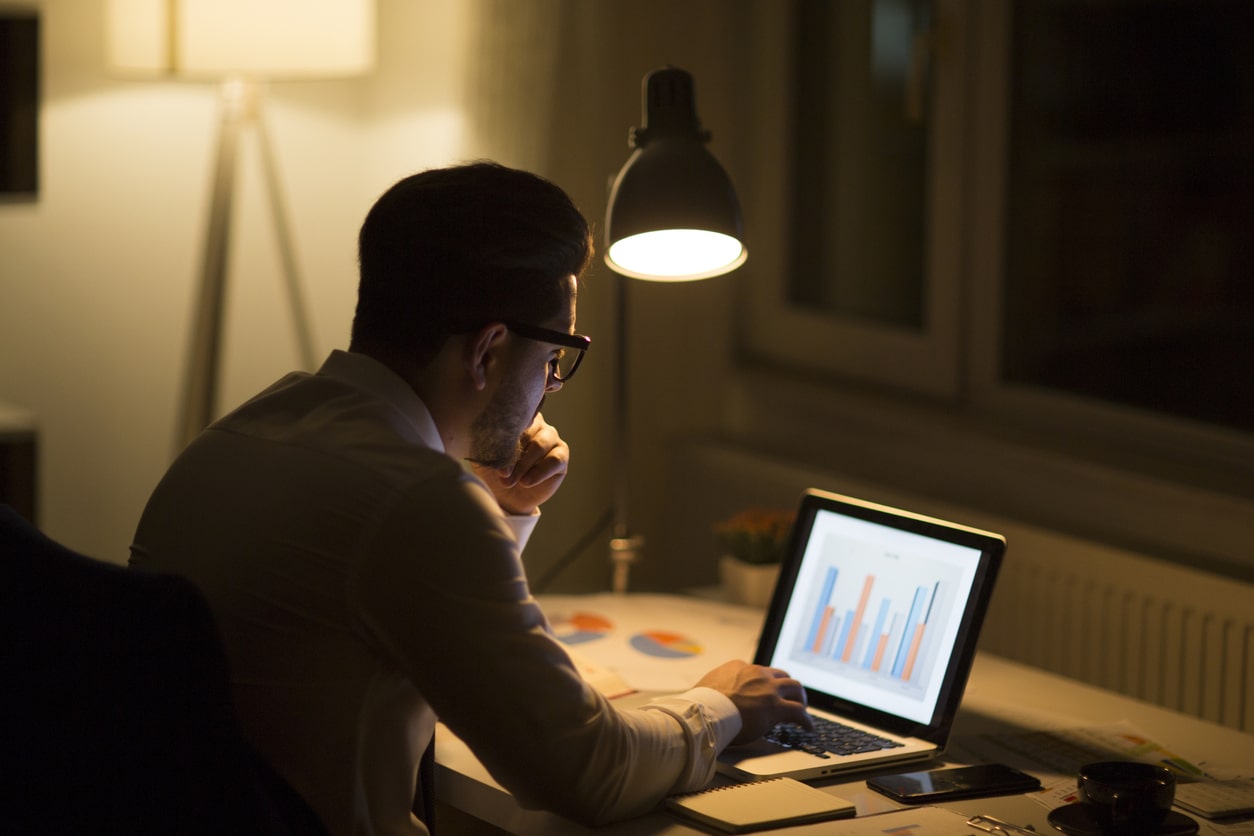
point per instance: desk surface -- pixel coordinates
(1002, 697)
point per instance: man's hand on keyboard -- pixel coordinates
(828, 736)
(764, 696)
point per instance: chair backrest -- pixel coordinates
(115, 707)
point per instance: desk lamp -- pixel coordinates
(239, 44)
(673, 216)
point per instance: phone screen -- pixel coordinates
(959, 782)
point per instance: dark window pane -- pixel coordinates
(1130, 258)
(861, 169)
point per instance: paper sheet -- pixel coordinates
(912, 821)
(653, 642)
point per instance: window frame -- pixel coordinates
(1168, 446)
(926, 361)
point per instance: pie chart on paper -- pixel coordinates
(665, 645)
(581, 627)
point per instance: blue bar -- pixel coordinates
(839, 649)
(829, 583)
(903, 649)
(826, 649)
(875, 635)
(935, 592)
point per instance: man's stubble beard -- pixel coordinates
(496, 435)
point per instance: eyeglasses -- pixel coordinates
(564, 365)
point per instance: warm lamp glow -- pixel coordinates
(673, 213)
(672, 216)
(273, 39)
(242, 44)
(676, 255)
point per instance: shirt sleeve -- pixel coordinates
(443, 590)
(710, 720)
(522, 526)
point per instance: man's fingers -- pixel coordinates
(793, 690)
(539, 463)
(793, 695)
(545, 469)
(795, 712)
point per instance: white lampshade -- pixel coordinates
(274, 39)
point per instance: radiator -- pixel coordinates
(1155, 631)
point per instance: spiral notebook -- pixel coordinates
(760, 805)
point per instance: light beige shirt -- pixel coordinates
(366, 583)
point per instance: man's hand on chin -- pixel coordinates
(535, 476)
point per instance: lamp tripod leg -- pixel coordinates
(202, 372)
(241, 103)
(287, 253)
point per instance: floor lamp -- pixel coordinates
(240, 44)
(673, 216)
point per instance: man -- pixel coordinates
(366, 583)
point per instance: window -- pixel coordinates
(1030, 218)
(873, 192)
(1129, 266)
(1109, 267)
(861, 176)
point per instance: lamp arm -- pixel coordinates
(624, 546)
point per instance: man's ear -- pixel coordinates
(480, 352)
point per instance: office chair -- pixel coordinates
(115, 707)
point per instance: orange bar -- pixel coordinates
(857, 619)
(914, 651)
(879, 652)
(818, 639)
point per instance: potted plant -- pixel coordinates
(752, 543)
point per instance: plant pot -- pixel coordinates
(747, 583)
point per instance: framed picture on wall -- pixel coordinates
(19, 102)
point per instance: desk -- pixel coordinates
(1001, 696)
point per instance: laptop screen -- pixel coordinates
(883, 607)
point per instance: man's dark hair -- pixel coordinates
(448, 250)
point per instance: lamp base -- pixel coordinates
(624, 551)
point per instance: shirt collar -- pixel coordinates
(369, 375)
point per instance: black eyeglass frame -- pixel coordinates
(548, 335)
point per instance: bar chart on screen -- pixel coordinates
(875, 615)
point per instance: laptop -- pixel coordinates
(877, 612)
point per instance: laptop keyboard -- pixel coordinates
(828, 738)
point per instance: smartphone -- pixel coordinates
(957, 782)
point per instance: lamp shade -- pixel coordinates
(673, 213)
(274, 39)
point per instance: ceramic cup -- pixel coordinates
(1127, 798)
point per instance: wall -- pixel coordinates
(97, 275)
